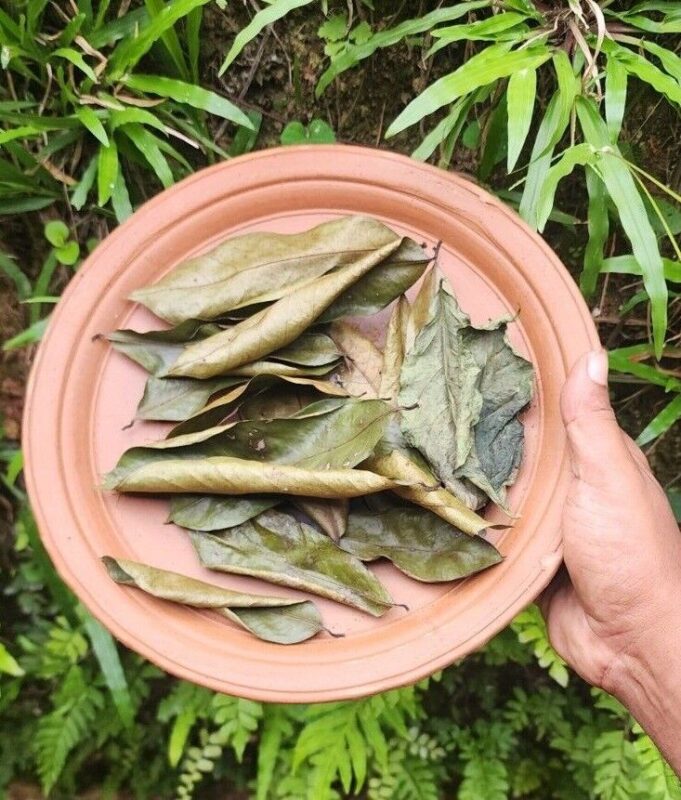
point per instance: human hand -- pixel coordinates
(613, 614)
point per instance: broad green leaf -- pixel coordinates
(224, 406)
(628, 265)
(200, 512)
(598, 223)
(107, 171)
(266, 16)
(277, 548)
(260, 267)
(615, 96)
(578, 154)
(520, 96)
(148, 146)
(551, 129)
(360, 375)
(330, 515)
(139, 40)
(633, 217)
(417, 542)
(394, 350)
(189, 94)
(57, 232)
(77, 60)
(483, 68)
(275, 326)
(338, 434)
(273, 619)
(93, 123)
(353, 54)
(662, 422)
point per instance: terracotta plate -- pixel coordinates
(82, 394)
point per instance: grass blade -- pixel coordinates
(486, 67)
(77, 60)
(92, 122)
(170, 39)
(353, 54)
(244, 139)
(132, 48)
(14, 272)
(661, 423)
(615, 96)
(106, 653)
(628, 265)
(579, 154)
(80, 193)
(490, 29)
(191, 95)
(193, 23)
(148, 146)
(120, 199)
(632, 212)
(440, 132)
(520, 97)
(107, 172)
(669, 60)
(599, 229)
(276, 10)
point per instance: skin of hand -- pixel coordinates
(613, 612)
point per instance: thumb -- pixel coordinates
(597, 446)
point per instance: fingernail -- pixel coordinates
(597, 367)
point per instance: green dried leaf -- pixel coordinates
(210, 513)
(238, 476)
(176, 399)
(330, 515)
(277, 325)
(282, 550)
(417, 542)
(260, 267)
(273, 619)
(394, 350)
(262, 390)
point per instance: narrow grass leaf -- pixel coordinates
(191, 95)
(628, 265)
(662, 422)
(579, 154)
(93, 123)
(148, 146)
(107, 171)
(615, 96)
(77, 60)
(520, 97)
(598, 225)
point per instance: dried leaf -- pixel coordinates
(280, 549)
(361, 374)
(330, 515)
(260, 267)
(227, 404)
(273, 619)
(439, 391)
(213, 513)
(332, 433)
(275, 326)
(505, 383)
(176, 399)
(417, 542)
(407, 466)
(420, 310)
(237, 476)
(394, 350)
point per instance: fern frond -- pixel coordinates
(655, 775)
(406, 777)
(277, 727)
(530, 629)
(611, 759)
(484, 777)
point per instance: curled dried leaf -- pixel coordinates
(273, 619)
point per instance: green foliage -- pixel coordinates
(530, 629)
(317, 132)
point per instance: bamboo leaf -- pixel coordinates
(491, 64)
(271, 13)
(628, 265)
(599, 230)
(520, 97)
(581, 154)
(662, 422)
(189, 94)
(107, 171)
(622, 189)
(273, 619)
(644, 70)
(277, 548)
(417, 542)
(615, 96)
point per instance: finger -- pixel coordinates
(545, 598)
(595, 439)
